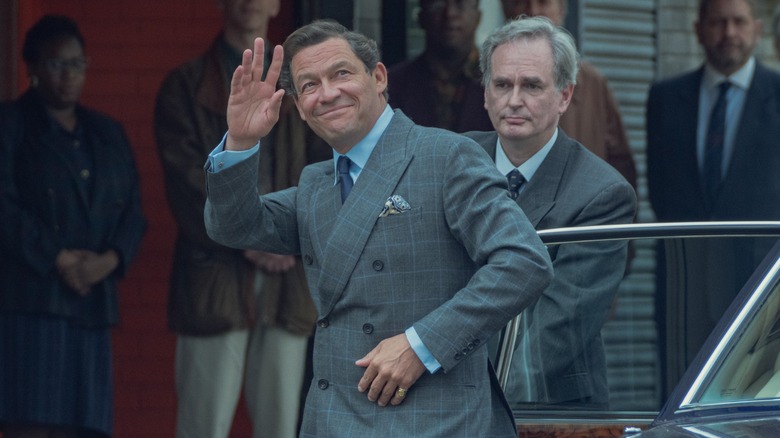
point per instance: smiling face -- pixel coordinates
(60, 70)
(521, 98)
(335, 95)
(728, 33)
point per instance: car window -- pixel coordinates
(751, 367)
(622, 322)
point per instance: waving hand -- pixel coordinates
(253, 105)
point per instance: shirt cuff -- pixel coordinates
(220, 159)
(422, 351)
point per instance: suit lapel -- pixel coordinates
(356, 218)
(756, 112)
(538, 197)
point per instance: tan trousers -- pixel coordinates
(270, 363)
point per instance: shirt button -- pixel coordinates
(323, 384)
(378, 265)
(84, 173)
(368, 329)
(323, 323)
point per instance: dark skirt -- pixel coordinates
(55, 374)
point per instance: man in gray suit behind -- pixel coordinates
(529, 69)
(413, 252)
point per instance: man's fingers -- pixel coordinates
(388, 392)
(274, 70)
(399, 396)
(258, 60)
(368, 378)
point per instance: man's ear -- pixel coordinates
(298, 105)
(380, 75)
(566, 95)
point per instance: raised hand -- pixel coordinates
(253, 105)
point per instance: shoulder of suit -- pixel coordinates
(587, 160)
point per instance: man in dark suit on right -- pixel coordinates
(713, 153)
(529, 71)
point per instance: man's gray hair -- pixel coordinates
(564, 51)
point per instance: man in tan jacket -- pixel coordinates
(242, 318)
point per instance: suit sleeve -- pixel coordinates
(574, 308)
(238, 217)
(513, 264)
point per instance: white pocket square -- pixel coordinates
(395, 204)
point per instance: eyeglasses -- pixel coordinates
(57, 66)
(437, 6)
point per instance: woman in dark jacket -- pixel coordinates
(70, 223)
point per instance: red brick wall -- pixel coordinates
(132, 44)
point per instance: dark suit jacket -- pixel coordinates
(750, 190)
(450, 266)
(43, 211)
(751, 187)
(561, 355)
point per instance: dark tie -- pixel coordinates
(514, 181)
(713, 146)
(344, 179)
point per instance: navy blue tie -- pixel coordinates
(514, 180)
(345, 180)
(713, 146)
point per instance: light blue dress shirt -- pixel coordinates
(221, 159)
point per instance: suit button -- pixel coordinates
(368, 329)
(323, 323)
(378, 265)
(458, 356)
(476, 342)
(308, 259)
(323, 384)
(465, 351)
(50, 192)
(471, 345)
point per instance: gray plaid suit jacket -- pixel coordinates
(457, 267)
(561, 357)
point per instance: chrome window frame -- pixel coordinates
(658, 230)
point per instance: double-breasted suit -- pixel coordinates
(560, 358)
(454, 266)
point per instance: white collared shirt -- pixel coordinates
(362, 150)
(530, 166)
